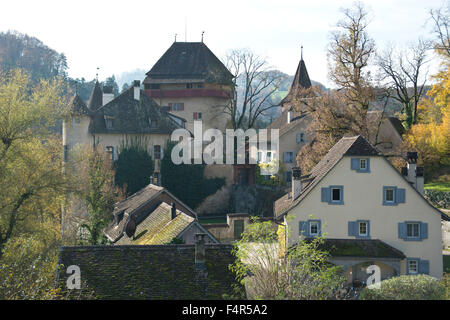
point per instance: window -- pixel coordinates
(269, 156)
(288, 157)
(300, 137)
(177, 107)
(153, 123)
(259, 156)
(413, 266)
(314, 228)
(363, 228)
(389, 195)
(362, 164)
(288, 176)
(109, 122)
(413, 230)
(155, 86)
(333, 195)
(200, 85)
(197, 116)
(189, 86)
(336, 194)
(157, 152)
(110, 152)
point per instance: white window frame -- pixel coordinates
(361, 161)
(316, 224)
(340, 195)
(416, 266)
(359, 228)
(386, 193)
(178, 104)
(418, 230)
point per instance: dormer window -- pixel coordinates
(153, 123)
(109, 122)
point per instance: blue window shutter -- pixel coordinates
(400, 195)
(303, 228)
(284, 157)
(401, 230)
(423, 230)
(368, 165)
(424, 266)
(326, 194)
(320, 227)
(162, 152)
(355, 164)
(352, 228)
(368, 229)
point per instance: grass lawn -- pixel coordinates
(206, 220)
(439, 186)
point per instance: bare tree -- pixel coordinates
(349, 54)
(441, 19)
(403, 70)
(258, 82)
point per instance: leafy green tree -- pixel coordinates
(96, 182)
(187, 181)
(301, 273)
(134, 166)
(111, 82)
(31, 179)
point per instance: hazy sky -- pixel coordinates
(120, 36)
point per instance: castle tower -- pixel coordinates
(300, 83)
(189, 81)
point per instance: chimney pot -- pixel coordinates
(173, 211)
(137, 90)
(411, 157)
(200, 251)
(296, 182)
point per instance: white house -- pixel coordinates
(368, 212)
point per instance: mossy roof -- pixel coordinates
(158, 227)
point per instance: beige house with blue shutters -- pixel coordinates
(368, 212)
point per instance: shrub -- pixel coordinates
(438, 198)
(406, 287)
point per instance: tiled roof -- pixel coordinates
(77, 106)
(161, 272)
(397, 124)
(347, 146)
(190, 60)
(132, 116)
(301, 81)
(281, 124)
(159, 227)
(367, 248)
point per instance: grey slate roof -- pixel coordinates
(301, 81)
(190, 60)
(347, 146)
(132, 116)
(96, 98)
(397, 124)
(77, 106)
(364, 248)
(281, 124)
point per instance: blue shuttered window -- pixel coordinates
(413, 230)
(417, 266)
(392, 195)
(310, 228)
(359, 229)
(333, 195)
(360, 164)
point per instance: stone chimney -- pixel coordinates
(137, 89)
(200, 251)
(413, 173)
(108, 95)
(296, 183)
(173, 211)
